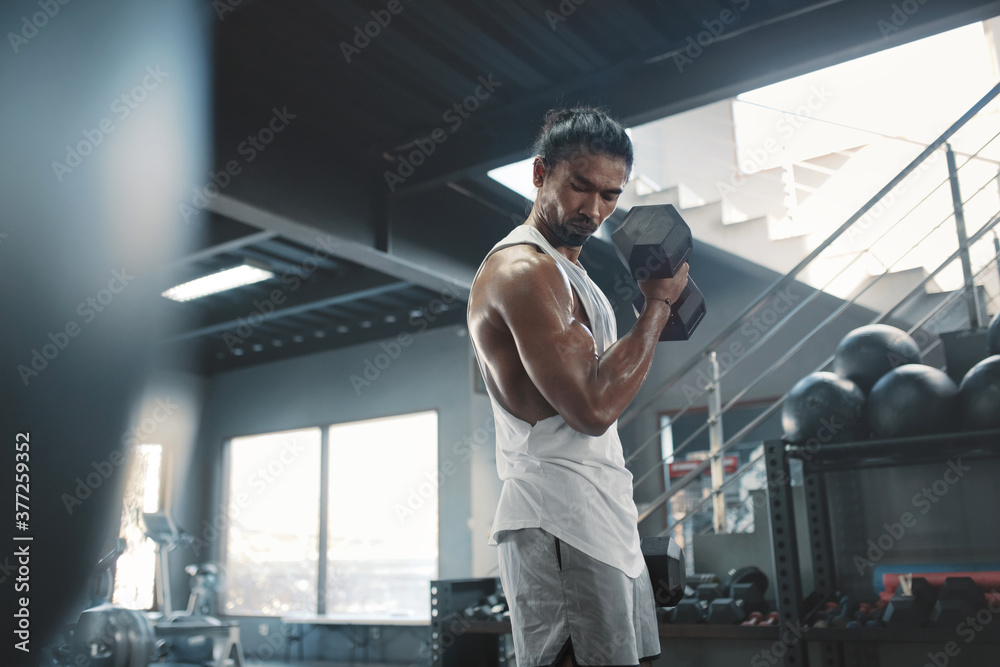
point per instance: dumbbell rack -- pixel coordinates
(456, 641)
(842, 646)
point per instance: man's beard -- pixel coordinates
(568, 235)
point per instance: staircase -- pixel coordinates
(897, 259)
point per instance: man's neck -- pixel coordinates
(572, 253)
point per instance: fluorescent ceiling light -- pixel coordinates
(218, 282)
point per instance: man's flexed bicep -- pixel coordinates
(535, 299)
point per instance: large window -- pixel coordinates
(272, 563)
(380, 485)
(383, 528)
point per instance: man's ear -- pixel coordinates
(538, 172)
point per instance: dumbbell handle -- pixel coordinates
(685, 315)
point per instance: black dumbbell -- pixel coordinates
(709, 592)
(694, 609)
(958, 599)
(726, 611)
(665, 563)
(910, 611)
(654, 242)
(689, 610)
(748, 584)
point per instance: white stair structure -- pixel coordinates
(869, 230)
(734, 199)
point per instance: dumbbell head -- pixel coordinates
(665, 563)
(910, 611)
(748, 575)
(726, 611)
(959, 598)
(690, 610)
(750, 595)
(748, 584)
(653, 241)
(709, 592)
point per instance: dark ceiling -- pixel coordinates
(391, 113)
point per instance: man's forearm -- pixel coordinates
(623, 367)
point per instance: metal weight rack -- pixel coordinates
(458, 641)
(827, 539)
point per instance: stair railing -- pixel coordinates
(786, 281)
(844, 305)
(945, 303)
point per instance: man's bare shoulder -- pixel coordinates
(520, 268)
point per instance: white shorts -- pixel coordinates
(563, 602)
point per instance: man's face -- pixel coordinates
(577, 195)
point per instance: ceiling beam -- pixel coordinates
(311, 345)
(346, 297)
(825, 34)
(353, 251)
(228, 246)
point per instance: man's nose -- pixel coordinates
(592, 208)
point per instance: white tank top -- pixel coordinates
(572, 485)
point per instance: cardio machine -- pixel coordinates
(193, 635)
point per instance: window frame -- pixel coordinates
(225, 489)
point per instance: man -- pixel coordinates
(545, 337)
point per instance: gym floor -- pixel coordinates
(320, 663)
